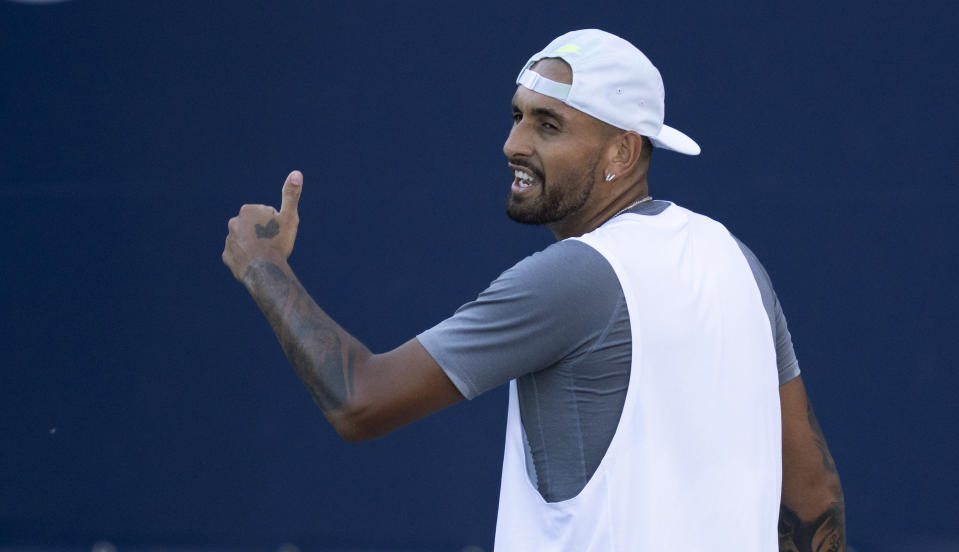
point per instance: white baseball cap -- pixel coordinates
(612, 81)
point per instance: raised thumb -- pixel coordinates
(291, 193)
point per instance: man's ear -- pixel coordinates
(626, 150)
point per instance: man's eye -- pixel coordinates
(517, 118)
(550, 126)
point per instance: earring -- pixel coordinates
(610, 177)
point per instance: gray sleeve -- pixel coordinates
(548, 307)
(785, 355)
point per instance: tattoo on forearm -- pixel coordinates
(827, 460)
(320, 351)
(269, 231)
(827, 533)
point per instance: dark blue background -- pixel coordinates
(143, 398)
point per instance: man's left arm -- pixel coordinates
(812, 514)
(812, 510)
(362, 394)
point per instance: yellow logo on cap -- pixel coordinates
(568, 49)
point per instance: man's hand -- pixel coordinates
(259, 232)
(363, 395)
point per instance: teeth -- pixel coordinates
(523, 175)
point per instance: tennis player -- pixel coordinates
(655, 401)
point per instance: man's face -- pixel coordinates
(554, 153)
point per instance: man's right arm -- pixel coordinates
(363, 395)
(812, 510)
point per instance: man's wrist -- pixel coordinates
(255, 270)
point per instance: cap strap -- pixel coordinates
(538, 83)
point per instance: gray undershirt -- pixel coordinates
(557, 323)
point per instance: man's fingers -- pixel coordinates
(291, 193)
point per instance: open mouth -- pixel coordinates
(523, 179)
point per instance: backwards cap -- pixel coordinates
(612, 81)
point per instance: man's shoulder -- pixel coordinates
(540, 311)
(567, 262)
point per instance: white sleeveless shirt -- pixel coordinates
(696, 460)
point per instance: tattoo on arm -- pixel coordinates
(827, 533)
(321, 352)
(827, 460)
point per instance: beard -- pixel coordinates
(556, 200)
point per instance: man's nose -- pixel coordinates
(517, 143)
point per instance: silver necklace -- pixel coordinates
(633, 204)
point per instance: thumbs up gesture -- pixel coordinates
(260, 232)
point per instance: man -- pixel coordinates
(644, 349)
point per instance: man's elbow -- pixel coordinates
(811, 493)
(832, 487)
(355, 423)
(824, 481)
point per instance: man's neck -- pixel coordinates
(586, 220)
